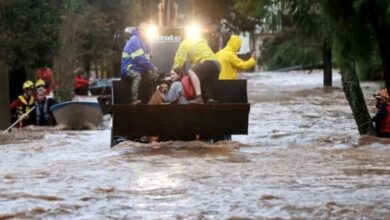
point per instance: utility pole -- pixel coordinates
(327, 63)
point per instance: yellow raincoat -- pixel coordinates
(229, 60)
(196, 50)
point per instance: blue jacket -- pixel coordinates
(136, 55)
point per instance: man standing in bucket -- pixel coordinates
(135, 64)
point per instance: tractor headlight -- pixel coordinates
(152, 33)
(193, 31)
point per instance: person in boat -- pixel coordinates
(229, 60)
(42, 114)
(81, 82)
(46, 74)
(382, 117)
(135, 64)
(175, 93)
(23, 104)
(204, 68)
(39, 85)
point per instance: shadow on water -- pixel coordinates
(179, 148)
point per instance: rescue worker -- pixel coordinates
(81, 83)
(23, 104)
(382, 117)
(39, 85)
(42, 114)
(229, 60)
(46, 74)
(135, 64)
(204, 68)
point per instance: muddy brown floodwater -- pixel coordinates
(303, 158)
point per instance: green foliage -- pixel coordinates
(211, 12)
(29, 32)
(355, 33)
(353, 37)
(298, 29)
(94, 36)
(370, 69)
(86, 37)
(267, 10)
(123, 13)
(288, 48)
(311, 23)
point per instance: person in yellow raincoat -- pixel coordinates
(204, 67)
(229, 60)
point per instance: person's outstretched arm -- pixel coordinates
(241, 64)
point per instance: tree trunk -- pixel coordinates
(4, 97)
(64, 62)
(382, 33)
(383, 37)
(327, 60)
(354, 95)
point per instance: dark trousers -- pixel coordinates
(134, 78)
(137, 80)
(81, 90)
(207, 73)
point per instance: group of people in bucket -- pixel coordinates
(192, 86)
(32, 107)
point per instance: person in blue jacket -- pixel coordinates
(136, 64)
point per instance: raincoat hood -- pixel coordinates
(230, 62)
(234, 44)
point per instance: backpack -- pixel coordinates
(188, 88)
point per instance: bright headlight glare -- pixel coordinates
(193, 31)
(152, 32)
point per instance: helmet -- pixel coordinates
(39, 83)
(28, 85)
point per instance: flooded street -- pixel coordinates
(303, 158)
